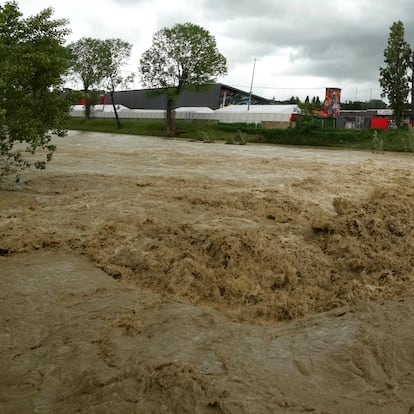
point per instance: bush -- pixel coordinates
(238, 138)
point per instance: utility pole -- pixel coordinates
(251, 86)
(412, 90)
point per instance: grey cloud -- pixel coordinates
(219, 9)
(325, 41)
(341, 39)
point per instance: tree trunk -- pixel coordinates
(170, 117)
(398, 116)
(87, 104)
(118, 122)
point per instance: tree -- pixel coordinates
(182, 57)
(394, 78)
(88, 64)
(33, 106)
(117, 53)
(292, 100)
(307, 107)
(376, 104)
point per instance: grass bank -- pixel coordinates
(399, 140)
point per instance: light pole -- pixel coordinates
(412, 91)
(251, 86)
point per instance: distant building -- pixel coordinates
(214, 97)
(361, 119)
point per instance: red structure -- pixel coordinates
(103, 100)
(332, 104)
(379, 123)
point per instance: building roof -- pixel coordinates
(211, 97)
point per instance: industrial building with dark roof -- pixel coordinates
(214, 96)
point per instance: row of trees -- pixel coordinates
(34, 64)
(182, 57)
(364, 105)
(315, 103)
(98, 63)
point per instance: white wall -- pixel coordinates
(230, 114)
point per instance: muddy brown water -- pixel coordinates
(149, 275)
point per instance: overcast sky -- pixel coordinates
(301, 46)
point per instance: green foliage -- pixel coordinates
(88, 63)
(359, 105)
(204, 136)
(291, 101)
(306, 122)
(238, 138)
(394, 78)
(409, 140)
(98, 63)
(33, 106)
(376, 104)
(317, 137)
(307, 107)
(116, 55)
(234, 127)
(150, 127)
(184, 56)
(377, 143)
